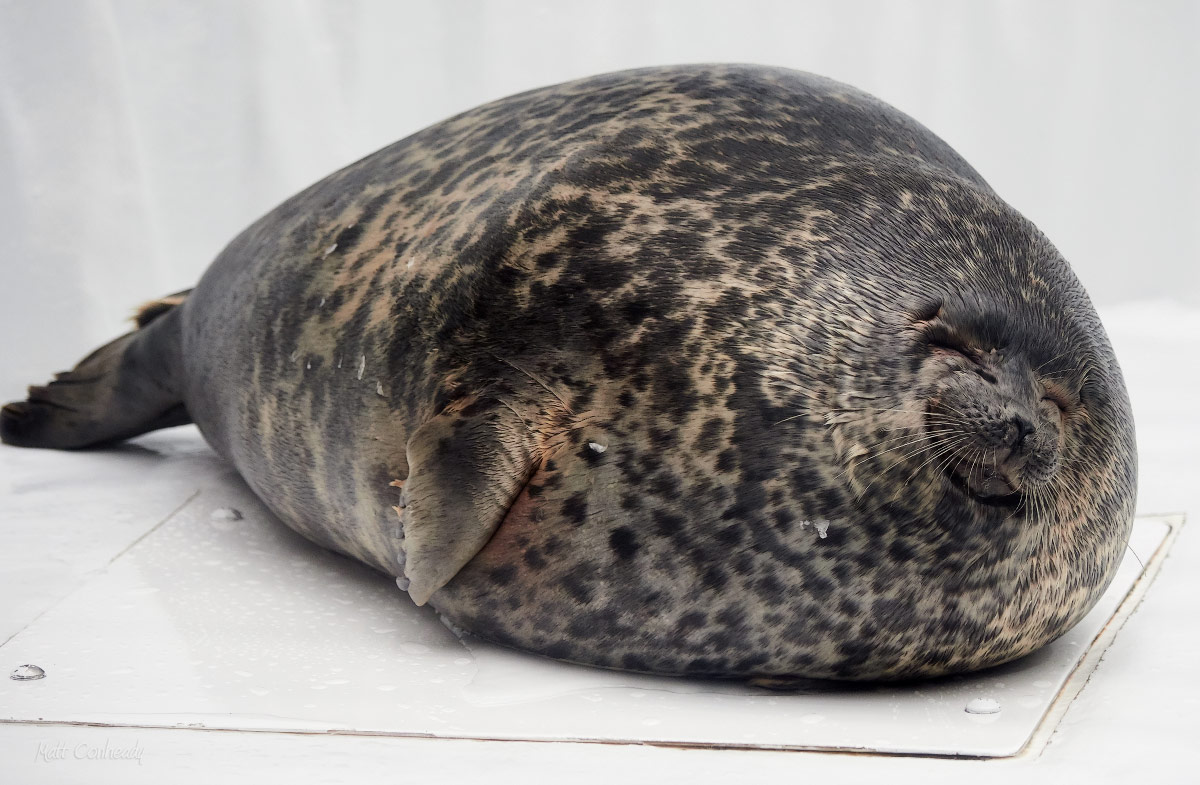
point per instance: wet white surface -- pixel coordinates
(100, 569)
(222, 618)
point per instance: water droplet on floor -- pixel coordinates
(226, 514)
(408, 647)
(27, 673)
(651, 722)
(983, 706)
(598, 447)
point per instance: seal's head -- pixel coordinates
(980, 421)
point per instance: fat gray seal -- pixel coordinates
(724, 371)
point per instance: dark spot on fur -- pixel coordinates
(667, 523)
(502, 576)
(575, 509)
(348, 238)
(714, 578)
(576, 585)
(707, 440)
(623, 542)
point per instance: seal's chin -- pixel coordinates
(985, 486)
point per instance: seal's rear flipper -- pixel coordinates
(125, 388)
(466, 467)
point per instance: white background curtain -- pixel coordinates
(138, 136)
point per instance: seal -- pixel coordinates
(723, 371)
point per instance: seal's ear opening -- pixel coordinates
(466, 467)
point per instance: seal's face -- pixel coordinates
(994, 424)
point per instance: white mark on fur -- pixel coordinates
(329, 250)
(821, 527)
(379, 388)
(598, 447)
(294, 355)
(362, 365)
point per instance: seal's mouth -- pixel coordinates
(985, 486)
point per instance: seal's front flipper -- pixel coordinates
(466, 467)
(125, 388)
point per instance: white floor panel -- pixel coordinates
(216, 621)
(66, 515)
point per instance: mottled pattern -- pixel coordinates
(725, 349)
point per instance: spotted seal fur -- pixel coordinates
(716, 370)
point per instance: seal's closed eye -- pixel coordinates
(942, 340)
(952, 346)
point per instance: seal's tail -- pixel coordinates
(125, 388)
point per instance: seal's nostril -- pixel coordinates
(1020, 428)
